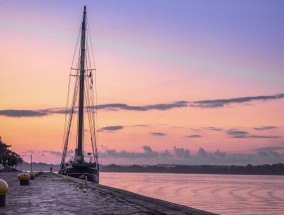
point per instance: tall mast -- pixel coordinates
(81, 89)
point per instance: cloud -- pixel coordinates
(270, 148)
(181, 152)
(141, 125)
(111, 128)
(166, 106)
(264, 136)
(183, 156)
(23, 113)
(158, 134)
(178, 155)
(202, 153)
(165, 154)
(244, 134)
(214, 129)
(237, 133)
(216, 103)
(59, 154)
(265, 128)
(270, 152)
(218, 153)
(148, 153)
(28, 152)
(56, 153)
(207, 129)
(193, 136)
(147, 149)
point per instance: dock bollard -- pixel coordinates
(24, 178)
(32, 175)
(3, 191)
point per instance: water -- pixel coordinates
(223, 194)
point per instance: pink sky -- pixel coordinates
(150, 56)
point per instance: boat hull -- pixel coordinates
(81, 171)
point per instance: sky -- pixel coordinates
(178, 81)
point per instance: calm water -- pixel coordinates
(224, 194)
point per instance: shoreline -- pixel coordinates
(196, 173)
(265, 169)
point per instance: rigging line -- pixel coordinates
(92, 102)
(72, 104)
(67, 102)
(90, 109)
(78, 76)
(76, 88)
(94, 145)
(95, 73)
(69, 129)
(94, 115)
(89, 37)
(95, 122)
(93, 131)
(90, 112)
(89, 119)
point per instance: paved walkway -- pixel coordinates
(54, 194)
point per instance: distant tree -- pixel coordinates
(7, 156)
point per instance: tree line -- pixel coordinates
(7, 156)
(266, 169)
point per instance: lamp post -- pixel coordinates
(22, 162)
(31, 162)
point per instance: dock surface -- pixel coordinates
(51, 193)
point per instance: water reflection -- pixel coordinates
(224, 194)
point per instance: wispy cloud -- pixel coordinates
(111, 128)
(264, 136)
(265, 128)
(270, 148)
(234, 133)
(217, 103)
(237, 133)
(214, 129)
(193, 136)
(158, 134)
(166, 106)
(59, 154)
(207, 129)
(23, 113)
(141, 125)
(28, 152)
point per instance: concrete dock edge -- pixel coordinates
(152, 204)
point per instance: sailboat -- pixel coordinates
(81, 105)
